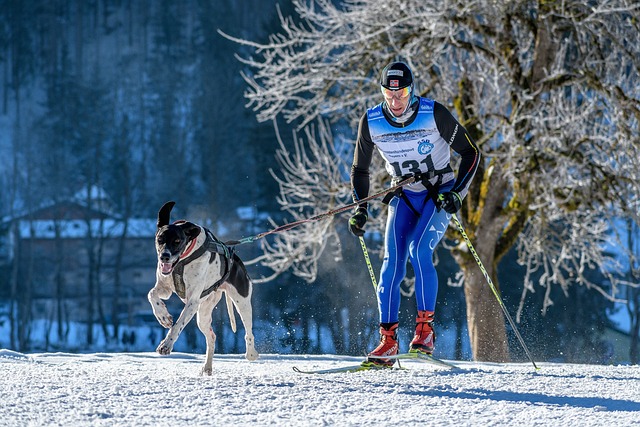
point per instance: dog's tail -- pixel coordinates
(232, 315)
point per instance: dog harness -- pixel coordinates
(214, 247)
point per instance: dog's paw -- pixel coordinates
(206, 371)
(164, 318)
(164, 348)
(251, 355)
(166, 321)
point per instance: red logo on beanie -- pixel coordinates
(394, 83)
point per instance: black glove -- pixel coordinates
(450, 202)
(357, 222)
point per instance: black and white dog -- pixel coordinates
(195, 265)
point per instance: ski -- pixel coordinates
(351, 368)
(419, 356)
(365, 366)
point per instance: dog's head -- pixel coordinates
(172, 239)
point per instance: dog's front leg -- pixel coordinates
(155, 296)
(187, 314)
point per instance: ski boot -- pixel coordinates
(425, 337)
(388, 346)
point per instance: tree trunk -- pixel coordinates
(633, 297)
(25, 295)
(633, 309)
(99, 303)
(92, 275)
(485, 319)
(14, 286)
(634, 354)
(545, 48)
(117, 276)
(458, 355)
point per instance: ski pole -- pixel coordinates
(491, 285)
(368, 261)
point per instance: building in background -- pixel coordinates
(75, 260)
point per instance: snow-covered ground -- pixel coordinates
(144, 389)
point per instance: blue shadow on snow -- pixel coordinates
(534, 398)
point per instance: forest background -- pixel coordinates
(146, 100)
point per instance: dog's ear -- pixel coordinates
(164, 215)
(190, 230)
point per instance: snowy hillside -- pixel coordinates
(144, 389)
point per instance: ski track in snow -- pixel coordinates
(145, 389)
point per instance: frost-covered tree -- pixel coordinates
(550, 90)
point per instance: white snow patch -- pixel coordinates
(144, 389)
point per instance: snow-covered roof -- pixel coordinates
(94, 193)
(100, 205)
(74, 229)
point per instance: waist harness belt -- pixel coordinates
(425, 178)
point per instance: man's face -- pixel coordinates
(397, 100)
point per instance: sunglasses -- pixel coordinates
(397, 94)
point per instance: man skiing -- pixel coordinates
(415, 136)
